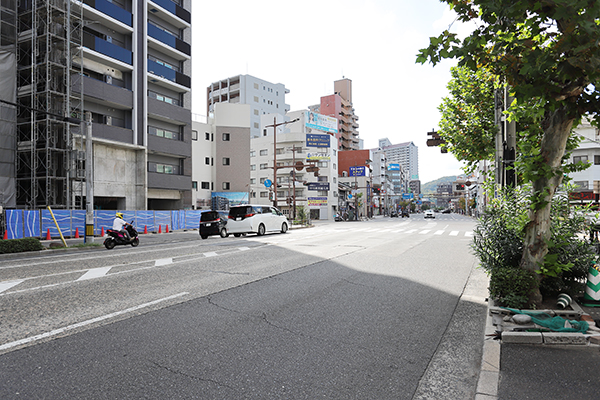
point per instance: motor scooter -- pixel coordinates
(115, 238)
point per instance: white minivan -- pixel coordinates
(248, 218)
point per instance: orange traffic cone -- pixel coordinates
(145, 229)
(76, 233)
(48, 237)
(5, 235)
(102, 232)
(167, 229)
(159, 230)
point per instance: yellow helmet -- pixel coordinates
(119, 215)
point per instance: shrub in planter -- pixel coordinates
(498, 243)
(20, 245)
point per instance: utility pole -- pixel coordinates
(89, 180)
(275, 125)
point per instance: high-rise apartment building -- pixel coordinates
(262, 96)
(405, 154)
(339, 105)
(123, 64)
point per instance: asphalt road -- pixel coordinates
(348, 310)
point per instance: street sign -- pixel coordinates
(268, 183)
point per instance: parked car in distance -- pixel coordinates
(213, 223)
(447, 211)
(429, 214)
(256, 219)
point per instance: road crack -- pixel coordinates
(194, 377)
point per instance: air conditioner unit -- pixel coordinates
(108, 79)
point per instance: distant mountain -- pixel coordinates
(431, 187)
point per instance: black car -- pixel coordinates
(213, 223)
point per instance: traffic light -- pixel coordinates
(435, 140)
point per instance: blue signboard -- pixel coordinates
(316, 140)
(393, 167)
(408, 196)
(357, 171)
(318, 186)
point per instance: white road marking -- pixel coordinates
(454, 233)
(470, 234)
(411, 231)
(424, 232)
(210, 254)
(94, 273)
(244, 248)
(84, 323)
(439, 233)
(9, 284)
(163, 261)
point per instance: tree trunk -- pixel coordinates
(557, 128)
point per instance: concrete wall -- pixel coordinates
(120, 172)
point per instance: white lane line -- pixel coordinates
(454, 233)
(244, 248)
(439, 233)
(94, 273)
(163, 261)
(210, 254)
(4, 286)
(425, 232)
(88, 322)
(398, 230)
(469, 234)
(411, 231)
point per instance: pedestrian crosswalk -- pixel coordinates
(425, 230)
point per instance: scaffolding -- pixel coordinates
(49, 68)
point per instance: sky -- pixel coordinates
(310, 44)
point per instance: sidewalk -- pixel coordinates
(545, 366)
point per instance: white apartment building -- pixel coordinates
(588, 151)
(405, 154)
(262, 96)
(294, 144)
(221, 155)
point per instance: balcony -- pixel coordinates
(112, 10)
(169, 74)
(174, 9)
(108, 49)
(171, 41)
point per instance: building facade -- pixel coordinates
(221, 154)
(339, 105)
(296, 154)
(262, 96)
(127, 74)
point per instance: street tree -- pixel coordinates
(548, 52)
(467, 122)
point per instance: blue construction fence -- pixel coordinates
(36, 223)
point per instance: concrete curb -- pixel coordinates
(489, 376)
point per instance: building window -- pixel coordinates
(194, 135)
(322, 193)
(194, 185)
(256, 86)
(167, 134)
(207, 160)
(264, 166)
(226, 161)
(581, 185)
(226, 137)
(262, 180)
(252, 153)
(206, 136)
(256, 99)
(264, 152)
(252, 167)
(264, 132)
(596, 160)
(226, 185)
(577, 159)
(161, 168)
(205, 185)
(264, 194)
(256, 112)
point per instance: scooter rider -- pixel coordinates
(119, 224)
